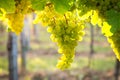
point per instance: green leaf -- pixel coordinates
(62, 6)
(38, 4)
(8, 5)
(113, 19)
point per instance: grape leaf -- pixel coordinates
(38, 4)
(8, 5)
(62, 6)
(113, 19)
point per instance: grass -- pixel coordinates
(42, 63)
(49, 63)
(3, 48)
(3, 41)
(3, 65)
(101, 49)
(103, 64)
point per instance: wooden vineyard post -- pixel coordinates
(25, 43)
(12, 56)
(91, 44)
(24, 47)
(117, 69)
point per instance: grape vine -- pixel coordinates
(106, 14)
(66, 21)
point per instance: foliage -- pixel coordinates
(62, 6)
(66, 29)
(38, 4)
(114, 21)
(8, 5)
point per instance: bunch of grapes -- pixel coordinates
(66, 30)
(46, 15)
(15, 20)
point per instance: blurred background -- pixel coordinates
(34, 56)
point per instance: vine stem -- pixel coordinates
(66, 19)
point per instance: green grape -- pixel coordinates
(52, 37)
(49, 29)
